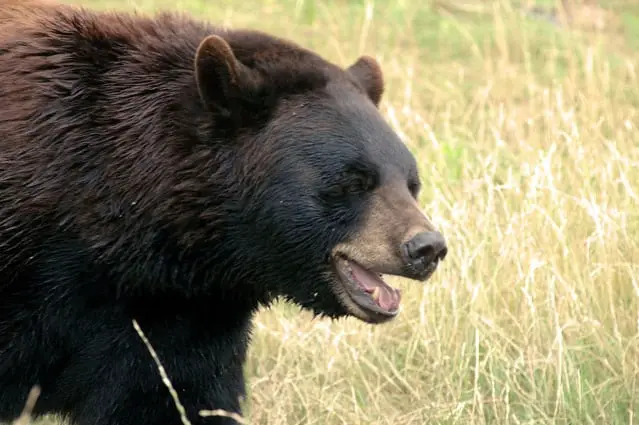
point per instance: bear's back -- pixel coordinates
(102, 133)
(91, 102)
(59, 59)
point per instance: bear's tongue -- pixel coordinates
(386, 297)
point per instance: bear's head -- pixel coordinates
(325, 189)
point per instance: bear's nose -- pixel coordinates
(425, 248)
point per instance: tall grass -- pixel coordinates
(526, 137)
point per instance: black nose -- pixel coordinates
(425, 248)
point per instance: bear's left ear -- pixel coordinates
(368, 74)
(220, 78)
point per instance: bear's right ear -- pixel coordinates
(219, 76)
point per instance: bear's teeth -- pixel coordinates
(375, 294)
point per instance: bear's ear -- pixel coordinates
(219, 76)
(368, 74)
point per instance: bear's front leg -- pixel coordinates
(154, 406)
(123, 384)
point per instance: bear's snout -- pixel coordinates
(423, 252)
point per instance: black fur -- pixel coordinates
(122, 196)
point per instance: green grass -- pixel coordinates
(526, 136)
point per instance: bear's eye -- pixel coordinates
(348, 184)
(414, 187)
(358, 183)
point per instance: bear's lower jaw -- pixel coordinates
(364, 293)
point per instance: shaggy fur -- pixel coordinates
(150, 170)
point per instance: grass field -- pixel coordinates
(526, 136)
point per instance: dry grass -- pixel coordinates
(528, 145)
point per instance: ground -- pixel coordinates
(526, 135)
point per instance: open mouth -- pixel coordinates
(368, 290)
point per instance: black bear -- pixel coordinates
(167, 171)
